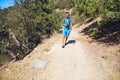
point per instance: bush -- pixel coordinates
(65, 4)
(108, 10)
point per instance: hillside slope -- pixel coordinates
(81, 59)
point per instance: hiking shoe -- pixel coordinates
(63, 46)
(66, 43)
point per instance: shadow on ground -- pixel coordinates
(109, 33)
(71, 42)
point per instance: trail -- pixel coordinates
(72, 63)
(77, 61)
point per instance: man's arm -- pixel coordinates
(63, 24)
(71, 25)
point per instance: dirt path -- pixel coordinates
(77, 61)
(73, 63)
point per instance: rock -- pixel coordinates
(38, 64)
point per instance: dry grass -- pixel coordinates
(104, 57)
(118, 48)
(47, 49)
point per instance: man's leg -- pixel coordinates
(67, 35)
(66, 38)
(63, 40)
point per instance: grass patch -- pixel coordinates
(4, 59)
(77, 19)
(118, 48)
(104, 57)
(1, 76)
(47, 49)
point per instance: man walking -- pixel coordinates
(67, 27)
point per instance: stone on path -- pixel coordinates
(38, 64)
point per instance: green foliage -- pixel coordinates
(109, 10)
(4, 58)
(77, 19)
(90, 8)
(23, 26)
(96, 31)
(112, 15)
(65, 4)
(93, 8)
